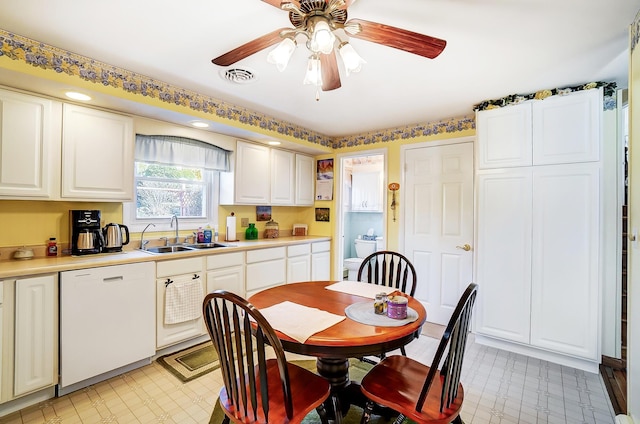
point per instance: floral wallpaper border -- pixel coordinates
(609, 93)
(47, 57)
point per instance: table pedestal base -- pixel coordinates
(344, 392)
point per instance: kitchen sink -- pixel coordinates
(182, 248)
(167, 249)
(205, 245)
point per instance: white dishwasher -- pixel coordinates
(107, 321)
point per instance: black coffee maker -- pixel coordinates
(86, 235)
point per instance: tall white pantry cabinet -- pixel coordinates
(539, 185)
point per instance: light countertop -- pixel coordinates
(11, 268)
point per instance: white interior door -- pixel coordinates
(438, 219)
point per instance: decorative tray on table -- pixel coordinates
(363, 312)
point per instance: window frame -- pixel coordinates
(212, 183)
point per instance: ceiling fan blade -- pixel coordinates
(402, 39)
(249, 48)
(329, 68)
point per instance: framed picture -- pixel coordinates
(322, 214)
(263, 213)
(325, 169)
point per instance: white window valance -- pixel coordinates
(182, 151)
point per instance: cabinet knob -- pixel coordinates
(466, 247)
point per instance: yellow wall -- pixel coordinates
(31, 223)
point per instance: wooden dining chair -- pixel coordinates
(424, 394)
(390, 269)
(257, 389)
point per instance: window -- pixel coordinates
(175, 176)
(166, 190)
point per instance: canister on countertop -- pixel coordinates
(271, 229)
(397, 307)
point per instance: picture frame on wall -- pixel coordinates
(263, 213)
(322, 214)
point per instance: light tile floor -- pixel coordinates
(500, 387)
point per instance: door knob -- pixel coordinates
(466, 247)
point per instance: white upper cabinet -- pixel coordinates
(305, 174)
(558, 129)
(29, 146)
(282, 182)
(366, 191)
(252, 174)
(504, 137)
(97, 155)
(566, 129)
(265, 176)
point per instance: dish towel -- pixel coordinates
(359, 288)
(298, 321)
(183, 300)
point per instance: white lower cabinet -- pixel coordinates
(36, 334)
(168, 272)
(28, 335)
(226, 272)
(538, 259)
(265, 268)
(298, 263)
(321, 261)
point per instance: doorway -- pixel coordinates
(361, 212)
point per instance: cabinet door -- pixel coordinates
(566, 258)
(299, 268)
(97, 155)
(566, 129)
(36, 334)
(305, 177)
(503, 253)
(252, 174)
(29, 146)
(504, 137)
(229, 279)
(170, 334)
(321, 266)
(366, 191)
(282, 177)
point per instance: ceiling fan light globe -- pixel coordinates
(313, 75)
(281, 54)
(323, 38)
(352, 60)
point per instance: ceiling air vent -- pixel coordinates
(239, 75)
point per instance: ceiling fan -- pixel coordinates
(317, 21)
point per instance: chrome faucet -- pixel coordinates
(143, 242)
(175, 218)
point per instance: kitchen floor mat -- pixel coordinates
(192, 362)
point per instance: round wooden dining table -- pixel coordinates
(347, 339)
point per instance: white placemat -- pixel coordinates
(363, 313)
(359, 288)
(298, 321)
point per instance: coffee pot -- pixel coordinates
(114, 238)
(89, 241)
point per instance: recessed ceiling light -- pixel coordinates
(199, 124)
(274, 143)
(77, 96)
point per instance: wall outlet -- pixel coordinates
(244, 222)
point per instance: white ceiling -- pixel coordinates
(494, 48)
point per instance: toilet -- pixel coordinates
(363, 249)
